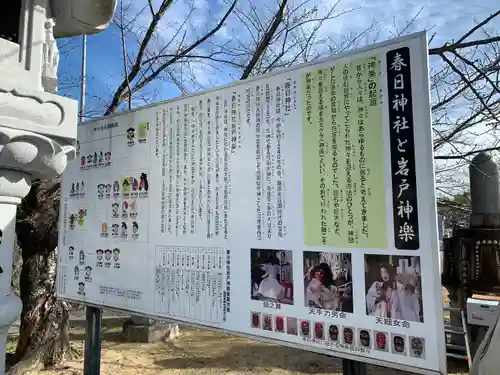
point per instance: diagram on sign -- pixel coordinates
(81, 289)
(76, 219)
(77, 190)
(124, 221)
(97, 159)
(123, 211)
(135, 186)
(139, 136)
(81, 271)
(108, 258)
(125, 187)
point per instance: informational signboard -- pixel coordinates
(296, 208)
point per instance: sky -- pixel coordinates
(375, 20)
(448, 19)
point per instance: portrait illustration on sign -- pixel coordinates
(142, 132)
(115, 206)
(100, 190)
(143, 182)
(126, 185)
(81, 289)
(255, 319)
(131, 135)
(81, 257)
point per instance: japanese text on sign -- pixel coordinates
(404, 182)
(343, 172)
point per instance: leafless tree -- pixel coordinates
(271, 39)
(279, 38)
(465, 90)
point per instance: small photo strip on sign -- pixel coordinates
(333, 332)
(417, 347)
(381, 343)
(291, 326)
(365, 338)
(393, 289)
(271, 276)
(328, 281)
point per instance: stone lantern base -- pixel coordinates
(144, 330)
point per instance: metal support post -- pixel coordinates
(92, 356)
(350, 367)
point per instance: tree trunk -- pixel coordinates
(43, 335)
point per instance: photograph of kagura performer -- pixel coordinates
(271, 275)
(394, 287)
(328, 281)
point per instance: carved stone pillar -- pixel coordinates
(23, 155)
(37, 137)
(13, 186)
(37, 127)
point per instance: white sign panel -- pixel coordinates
(296, 208)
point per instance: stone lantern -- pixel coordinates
(37, 126)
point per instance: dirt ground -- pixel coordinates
(202, 352)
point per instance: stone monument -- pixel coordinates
(472, 255)
(37, 126)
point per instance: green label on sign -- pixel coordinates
(343, 156)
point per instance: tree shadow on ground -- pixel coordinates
(257, 357)
(250, 357)
(199, 349)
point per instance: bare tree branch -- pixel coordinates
(266, 39)
(466, 154)
(470, 85)
(457, 46)
(124, 54)
(121, 93)
(142, 50)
